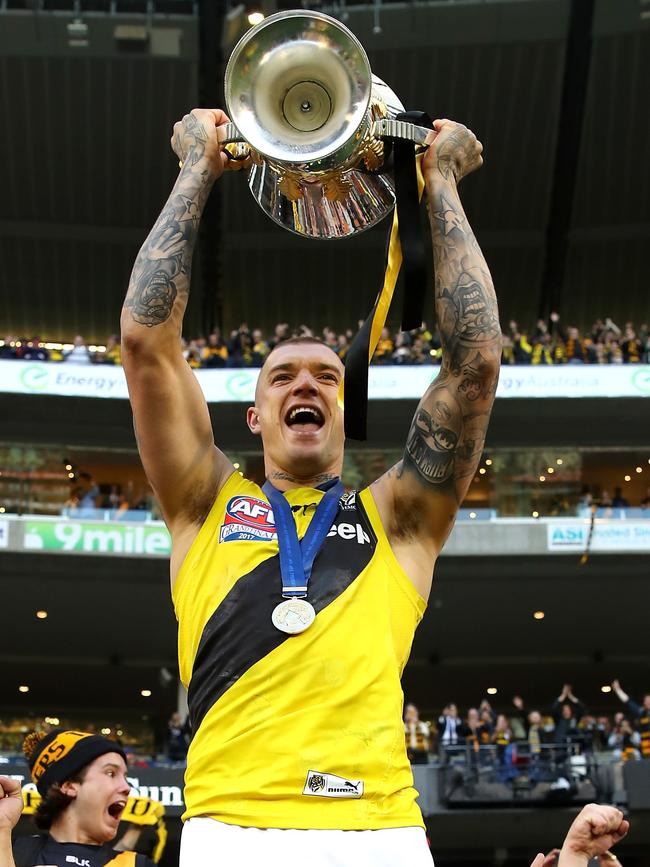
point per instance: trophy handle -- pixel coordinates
(229, 134)
(387, 127)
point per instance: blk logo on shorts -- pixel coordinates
(248, 519)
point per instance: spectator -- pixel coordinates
(641, 715)
(402, 353)
(533, 726)
(619, 501)
(449, 727)
(645, 502)
(87, 492)
(342, 346)
(35, 351)
(79, 354)
(281, 333)
(215, 352)
(113, 353)
(476, 732)
(84, 794)
(192, 353)
(385, 348)
(567, 712)
(8, 348)
(418, 736)
(260, 346)
(177, 738)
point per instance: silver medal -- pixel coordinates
(293, 616)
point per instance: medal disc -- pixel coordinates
(293, 616)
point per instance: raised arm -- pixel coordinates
(419, 498)
(171, 417)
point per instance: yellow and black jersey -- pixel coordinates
(44, 849)
(301, 731)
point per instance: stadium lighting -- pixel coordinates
(559, 462)
(491, 690)
(41, 614)
(639, 469)
(628, 478)
(542, 478)
(23, 688)
(535, 514)
(482, 471)
(539, 615)
(606, 688)
(550, 471)
(255, 18)
(145, 693)
(488, 463)
(2, 510)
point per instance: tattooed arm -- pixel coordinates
(171, 417)
(418, 499)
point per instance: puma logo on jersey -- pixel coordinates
(331, 786)
(350, 531)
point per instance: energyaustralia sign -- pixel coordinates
(385, 383)
(607, 536)
(96, 538)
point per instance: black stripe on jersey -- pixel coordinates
(239, 633)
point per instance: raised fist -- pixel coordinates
(11, 803)
(596, 829)
(454, 151)
(195, 138)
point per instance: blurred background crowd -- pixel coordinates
(548, 342)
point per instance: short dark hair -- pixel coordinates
(55, 802)
(295, 341)
(299, 338)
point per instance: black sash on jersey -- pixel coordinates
(240, 631)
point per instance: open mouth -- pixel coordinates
(305, 419)
(116, 809)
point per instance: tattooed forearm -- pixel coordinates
(160, 280)
(447, 435)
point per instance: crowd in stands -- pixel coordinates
(566, 722)
(86, 496)
(549, 342)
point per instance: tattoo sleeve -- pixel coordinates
(448, 432)
(160, 280)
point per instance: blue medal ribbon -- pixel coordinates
(296, 556)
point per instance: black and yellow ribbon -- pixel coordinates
(406, 245)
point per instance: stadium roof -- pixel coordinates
(561, 205)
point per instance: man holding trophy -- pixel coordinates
(297, 602)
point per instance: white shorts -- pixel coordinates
(208, 843)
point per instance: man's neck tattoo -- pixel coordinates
(286, 477)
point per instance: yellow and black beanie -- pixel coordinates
(59, 755)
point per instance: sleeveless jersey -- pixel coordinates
(296, 731)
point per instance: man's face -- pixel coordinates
(100, 799)
(646, 702)
(296, 410)
(535, 718)
(411, 714)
